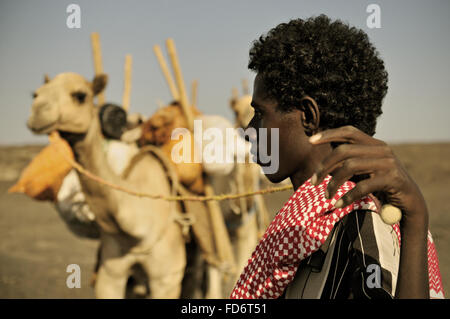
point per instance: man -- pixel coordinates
(321, 84)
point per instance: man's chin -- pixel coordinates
(273, 177)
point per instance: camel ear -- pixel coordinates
(46, 78)
(99, 83)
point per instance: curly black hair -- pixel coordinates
(328, 60)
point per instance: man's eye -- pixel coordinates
(79, 96)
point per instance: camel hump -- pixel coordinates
(152, 160)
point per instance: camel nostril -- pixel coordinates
(34, 95)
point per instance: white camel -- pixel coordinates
(133, 230)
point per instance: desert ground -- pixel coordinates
(36, 247)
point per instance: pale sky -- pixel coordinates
(213, 39)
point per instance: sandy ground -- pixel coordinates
(36, 247)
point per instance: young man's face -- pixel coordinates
(294, 147)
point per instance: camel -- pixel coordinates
(70, 201)
(242, 110)
(225, 178)
(133, 230)
(239, 214)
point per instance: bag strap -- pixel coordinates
(310, 279)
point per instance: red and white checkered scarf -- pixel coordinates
(298, 230)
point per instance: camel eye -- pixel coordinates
(79, 96)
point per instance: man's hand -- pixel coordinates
(362, 154)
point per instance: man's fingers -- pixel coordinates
(352, 167)
(345, 152)
(361, 190)
(344, 134)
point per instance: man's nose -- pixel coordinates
(251, 134)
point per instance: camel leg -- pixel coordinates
(165, 265)
(215, 284)
(96, 267)
(114, 269)
(193, 279)
(245, 241)
(110, 286)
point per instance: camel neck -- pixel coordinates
(91, 155)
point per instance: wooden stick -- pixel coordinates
(234, 94)
(98, 65)
(221, 237)
(245, 86)
(194, 93)
(263, 215)
(160, 103)
(127, 83)
(165, 70)
(180, 83)
(241, 188)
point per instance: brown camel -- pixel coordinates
(134, 231)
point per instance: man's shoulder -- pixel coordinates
(375, 251)
(371, 236)
(364, 259)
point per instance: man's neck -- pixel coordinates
(317, 155)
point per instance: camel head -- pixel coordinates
(242, 110)
(65, 103)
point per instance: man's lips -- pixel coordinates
(254, 153)
(254, 157)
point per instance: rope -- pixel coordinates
(221, 197)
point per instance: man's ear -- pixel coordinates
(99, 83)
(310, 115)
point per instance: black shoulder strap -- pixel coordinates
(312, 274)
